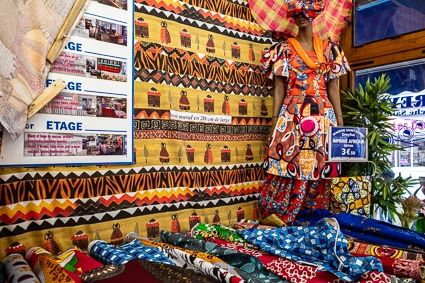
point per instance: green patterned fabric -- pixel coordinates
(204, 231)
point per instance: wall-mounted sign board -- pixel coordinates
(91, 120)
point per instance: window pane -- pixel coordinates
(392, 159)
(380, 19)
(406, 76)
(407, 81)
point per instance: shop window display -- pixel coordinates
(407, 91)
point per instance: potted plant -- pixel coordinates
(369, 107)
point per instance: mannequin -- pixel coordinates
(306, 102)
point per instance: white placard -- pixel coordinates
(91, 120)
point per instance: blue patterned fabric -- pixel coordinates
(109, 254)
(367, 229)
(322, 245)
(250, 268)
(137, 249)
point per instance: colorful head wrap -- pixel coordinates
(309, 8)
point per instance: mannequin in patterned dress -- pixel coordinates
(306, 103)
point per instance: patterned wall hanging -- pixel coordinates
(201, 118)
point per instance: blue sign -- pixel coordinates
(348, 144)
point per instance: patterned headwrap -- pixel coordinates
(309, 8)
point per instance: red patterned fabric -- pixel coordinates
(129, 272)
(311, 9)
(296, 272)
(395, 261)
(384, 251)
(73, 262)
(285, 197)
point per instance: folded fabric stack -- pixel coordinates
(319, 247)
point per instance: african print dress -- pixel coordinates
(297, 151)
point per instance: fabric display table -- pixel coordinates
(323, 249)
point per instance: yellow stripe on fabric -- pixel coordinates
(199, 39)
(37, 207)
(178, 155)
(104, 229)
(143, 90)
(170, 96)
(168, 193)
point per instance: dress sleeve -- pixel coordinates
(275, 60)
(338, 63)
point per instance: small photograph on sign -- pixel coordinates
(57, 144)
(90, 66)
(348, 144)
(76, 104)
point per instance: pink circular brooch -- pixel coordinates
(309, 126)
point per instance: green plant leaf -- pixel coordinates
(369, 106)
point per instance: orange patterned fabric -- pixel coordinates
(291, 152)
(318, 48)
(297, 150)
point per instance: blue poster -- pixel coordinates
(348, 144)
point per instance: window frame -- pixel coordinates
(388, 51)
(407, 47)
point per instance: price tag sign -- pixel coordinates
(348, 144)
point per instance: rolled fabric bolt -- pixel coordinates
(18, 270)
(45, 266)
(131, 236)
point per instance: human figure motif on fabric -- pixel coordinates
(306, 102)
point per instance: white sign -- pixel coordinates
(198, 117)
(91, 120)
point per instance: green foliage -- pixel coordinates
(369, 107)
(387, 193)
